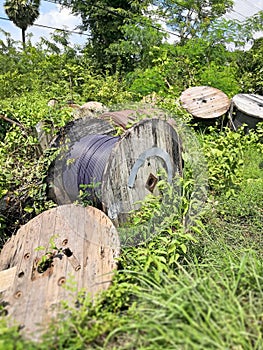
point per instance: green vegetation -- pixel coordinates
(197, 281)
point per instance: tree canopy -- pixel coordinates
(191, 18)
(111, 23)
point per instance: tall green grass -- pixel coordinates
(216, 303)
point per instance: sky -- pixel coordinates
(54, 15)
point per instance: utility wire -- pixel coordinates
(48, 27)
(109, 10)
(251, 4)
(152, 26)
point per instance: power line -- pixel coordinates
(255, 6)
(48, 27)
(117, 14)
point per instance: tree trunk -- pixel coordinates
(24, 37)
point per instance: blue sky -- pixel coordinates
(50, 15)
(55, 16)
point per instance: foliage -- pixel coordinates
(192, 19)
(115, 29)
(250, 69)
(175, 68)
(224, 154)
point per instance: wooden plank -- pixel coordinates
(87, 245)
(205, 102)
(7, 278)
(249, 104)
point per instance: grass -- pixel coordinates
(210, 299)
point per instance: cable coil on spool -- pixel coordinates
(85, 164)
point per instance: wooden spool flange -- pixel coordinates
(133, 168)
(248, 110)
(205, 102)
(86, 243)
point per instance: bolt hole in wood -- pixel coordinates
(61, 281)
(102, 252)
(3, 310)
(72, 259)
(67, 252)
(21, 274)
(18, 294)
(27, 256)
(65, 242)
(151, 182)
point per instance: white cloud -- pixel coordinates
(59, 17)
(54, 16)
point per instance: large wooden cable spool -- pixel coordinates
(122, 169)
(247, 109)
(32, 280)
(205, 102)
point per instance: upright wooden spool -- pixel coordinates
(205, 102)
(131, 170)
(247, 109)
(32, 281)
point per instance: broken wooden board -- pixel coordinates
(247, 109)
(68, 246)
(205, 102)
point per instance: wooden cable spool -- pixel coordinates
(126, 171)
(32, 281)
(205, 102)
(247, 109)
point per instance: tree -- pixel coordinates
(250, 73)
(22, 13)
(114, 26)
(191, 18)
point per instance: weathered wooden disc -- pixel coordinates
(249, 104)
(134, 166)
(205, 102)
(86, 243)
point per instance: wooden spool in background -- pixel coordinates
(132, 167)
(31, 291)
(246, 109)
(205, 102)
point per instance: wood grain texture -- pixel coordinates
(152, 142)
(33, 299)
(249, 104)
(205, 102)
